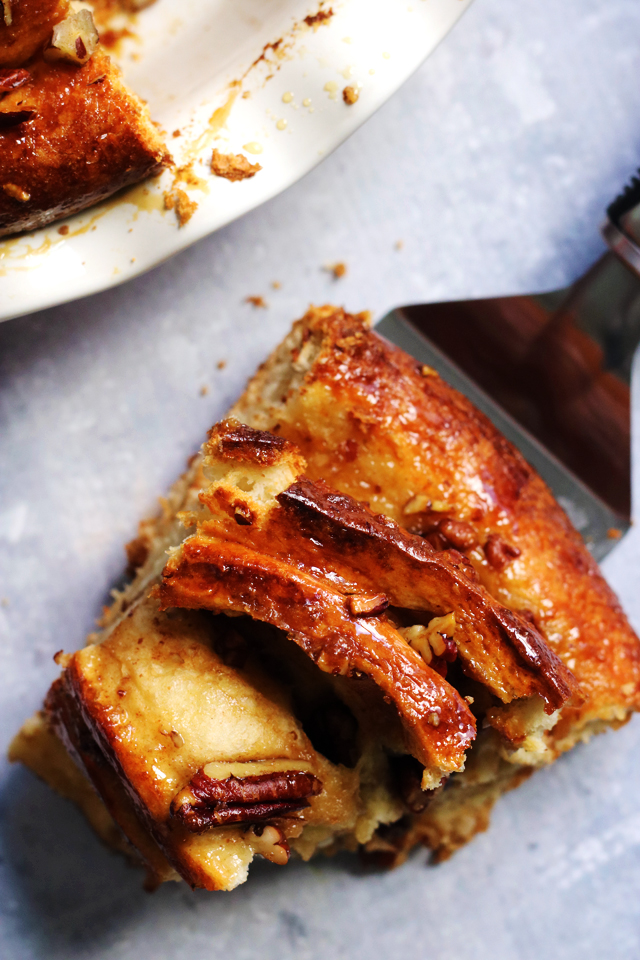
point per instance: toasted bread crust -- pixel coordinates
(32, 22)
(218, 575)
(367, 419)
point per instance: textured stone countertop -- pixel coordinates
(492, 166)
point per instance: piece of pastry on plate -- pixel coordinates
(71, 132)
(306, 670)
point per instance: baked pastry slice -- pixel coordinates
(367, 646)
(71, 132)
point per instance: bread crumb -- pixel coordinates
(316, 20)
(337, 269)
(176, 133)
(613, 533)
(221, 364)
(63, 230)
(257, 302)
(276, 285)
(350, 95)
(204, 390)
(428, 371)
(4, 602)
(233, 166)
(178, 200)
(399, 244)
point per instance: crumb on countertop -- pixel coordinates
(337, 269)
(350, 95)
(233, 166)
(176, 133)
(204, 390)
(276, 285)
(399, 244)
(257, 302)
(63, 230)
(221, 364)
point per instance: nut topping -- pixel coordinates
(499, 553)
(271, 843)
(433, 640)
(208, 802)
(74, 39)
(6, 12)
(460, 534)
(11, 79)
(367, 606)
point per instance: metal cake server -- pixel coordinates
(553, 373)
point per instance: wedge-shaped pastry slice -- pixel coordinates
(373, 424)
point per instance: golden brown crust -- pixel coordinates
(313, 526)
(87, 137)
(68, 720)
(32, 22)
(218, 575)
(372, 424)
(499, 649)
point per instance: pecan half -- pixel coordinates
(11, 79)
(499, 553)
(206, 802)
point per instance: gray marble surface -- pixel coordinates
(493, 166)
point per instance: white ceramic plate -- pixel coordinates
(195, 64)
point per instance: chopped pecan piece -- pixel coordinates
(74, 39)
(434, 642)
(207, 802)
(272, 843)
(460, 534)
(499, 553)
(367, 606)
(6, 13)
(11, 79)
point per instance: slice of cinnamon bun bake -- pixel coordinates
(360, 617)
